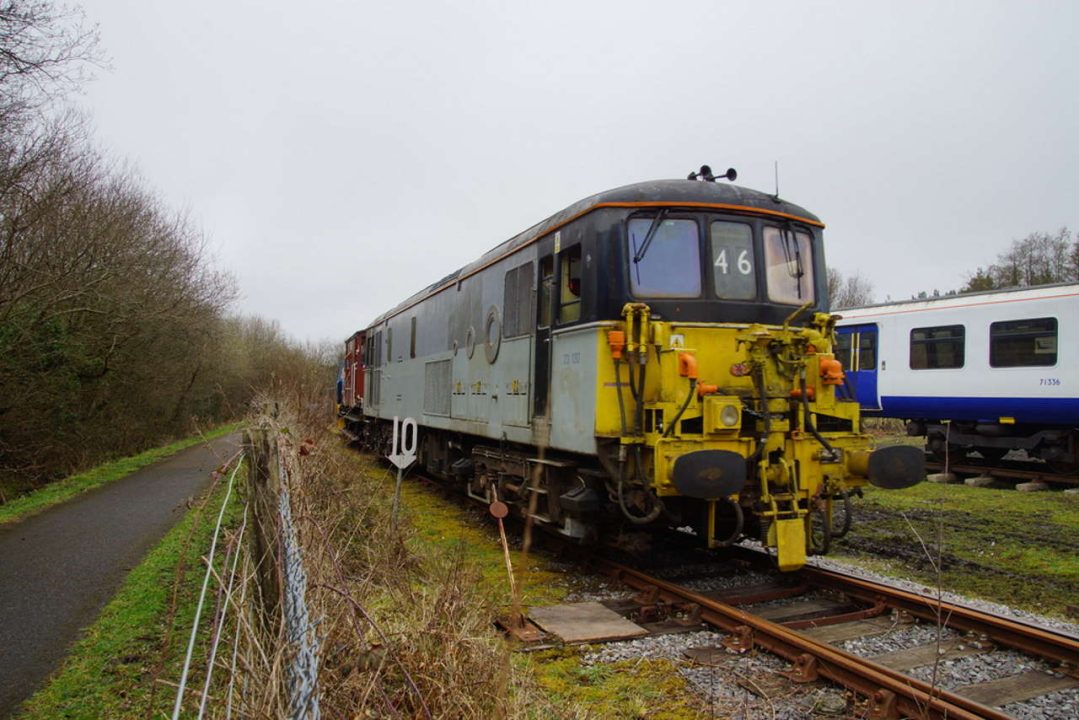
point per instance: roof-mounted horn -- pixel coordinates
(705, 174)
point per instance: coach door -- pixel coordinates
(856, 348)
(541, 383)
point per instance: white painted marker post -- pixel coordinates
(402, 454)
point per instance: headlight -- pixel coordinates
(722, 414)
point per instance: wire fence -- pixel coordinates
(302, 669)
(202, 598)
(272, 666)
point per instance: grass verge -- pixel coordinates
(141, 635)
(1010, 547)
(652, 689)
(61, 490)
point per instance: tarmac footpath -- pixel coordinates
(59, 568)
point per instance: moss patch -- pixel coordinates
(443, 527)
(628, 689)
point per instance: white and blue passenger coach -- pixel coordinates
(989, 372)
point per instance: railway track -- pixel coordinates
(1006, 470)
(805, 619)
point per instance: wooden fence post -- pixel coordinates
(264, 484)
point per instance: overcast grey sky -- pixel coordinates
(341, 155)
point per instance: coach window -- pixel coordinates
(843, 349)
(412, 339)
(1023, 343)
(665, 258)
(732, 261)
(788, 259)
(937, 347)
(569, 286)
(867, 350)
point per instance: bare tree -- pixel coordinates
(45, 52)
(1041, 258)
(848, 292)
(113, 327)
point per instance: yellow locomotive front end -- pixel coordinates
(743, 427)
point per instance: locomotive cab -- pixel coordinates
(716, 386)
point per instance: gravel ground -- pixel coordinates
(1055, 706)
(719, 684)
(784, 700)
(978, 668)
(598, 593)
(727, 582)
(900, 637)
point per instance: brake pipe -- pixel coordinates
(809, 420)
(681, 410)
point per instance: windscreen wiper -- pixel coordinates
(789, 239)
(648, 236)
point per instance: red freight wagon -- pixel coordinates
(353, 391)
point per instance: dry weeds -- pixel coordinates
(401, 635)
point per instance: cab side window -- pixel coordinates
(569, 291)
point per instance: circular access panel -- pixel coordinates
(493, 333)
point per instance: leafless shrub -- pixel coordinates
(884, 427)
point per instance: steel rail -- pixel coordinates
(891, 693)
(1003, 472)
(1021, 636)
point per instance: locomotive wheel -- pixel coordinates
(820, 529)
(840, 513)
(739, 523)
(992, 454)
(954, 454)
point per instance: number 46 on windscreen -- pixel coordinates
(743, 264)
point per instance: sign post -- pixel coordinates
(402, 454)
